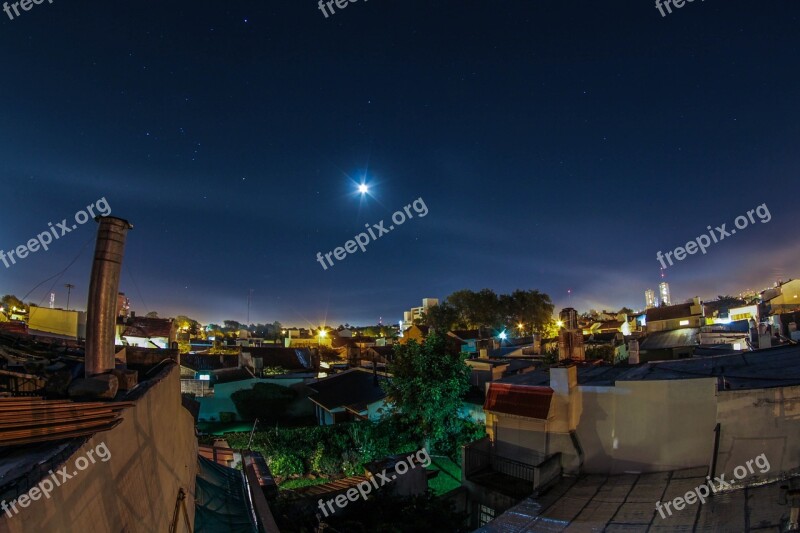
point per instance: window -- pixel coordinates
(487, 515)
(684, 323)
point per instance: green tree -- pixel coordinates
(427, 388)
(442, 317)
(726, 302)
(532, 309)
(9, 302)
(189, 325)
(232, 325)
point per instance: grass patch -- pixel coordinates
(299, 483)
(449, 477)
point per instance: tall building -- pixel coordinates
(663, 289)
(649, 298)
(409, 317)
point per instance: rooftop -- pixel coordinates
(670, 339)
(671, 312)
(350, 388)
(773, 367)
(627, 503)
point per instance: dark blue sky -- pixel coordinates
(557, 145)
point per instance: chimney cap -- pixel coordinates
(124, 222)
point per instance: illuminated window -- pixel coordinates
(487, 515)
(684, 322)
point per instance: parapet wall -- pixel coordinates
(153, 454)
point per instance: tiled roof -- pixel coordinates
(530, 402)
(670, 339)
(148, 328)
(670, 312)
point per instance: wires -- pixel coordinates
(58, 275)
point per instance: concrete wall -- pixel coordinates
(771, 427)
(647, 426)
(518, 438)
(153, 455)
(58, 321)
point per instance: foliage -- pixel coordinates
(460, 433)
(726, 302)
(378, 331)
(352, 463)
(151, 314)
(323, 448)
(470, 309)
(427, 387)
(442, 318)
(285, 465)
(273, 371)
(233, 325)
(532, 309)
(603, 351)
(265, 401)
(188, 325)
(550, 331)
(9, 301)
(551, 357)
(299, 483)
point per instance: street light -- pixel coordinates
(363, 188)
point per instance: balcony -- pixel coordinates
(517, 479)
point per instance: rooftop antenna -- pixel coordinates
(69, 287)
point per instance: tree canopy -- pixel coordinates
(469, 309)
(427, 388)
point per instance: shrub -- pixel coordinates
(286, 465)
(352, 463)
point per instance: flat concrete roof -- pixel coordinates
(627, 503)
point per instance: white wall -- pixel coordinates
(759, 421)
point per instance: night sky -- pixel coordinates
(557, 145)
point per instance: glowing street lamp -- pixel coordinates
(503, 335)
(363, 188)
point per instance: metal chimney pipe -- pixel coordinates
(101, 309)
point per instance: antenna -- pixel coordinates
(69, 287)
